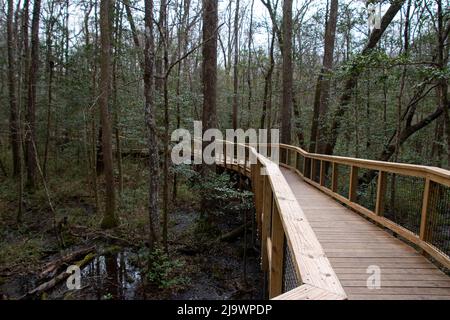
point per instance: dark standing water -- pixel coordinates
(208, 271)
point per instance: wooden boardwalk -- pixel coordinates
(353, 244)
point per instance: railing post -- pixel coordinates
(260, 192)
(424, 222)
(334, 178)
(381, 193)
(305, 166)
(353, 184)
(256, 189)
(276, 267)
(296, 161)
(322, 173)
(313, 169)
(266, 221)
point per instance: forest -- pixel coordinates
(91, 91)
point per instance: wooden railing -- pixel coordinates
(292, 256)
(410, 200)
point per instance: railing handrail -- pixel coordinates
(436, 174)
(312, 267)
(432, 176)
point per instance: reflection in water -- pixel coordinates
(112, 276)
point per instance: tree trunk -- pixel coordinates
(249, 65)
(209, 70)
(150, 121)
(32, 83)
(267, 100)
(235, 67)
(323, 83)
(50, 74)
(110, 219)
(286, 113)
(12, 81)
(159, 63)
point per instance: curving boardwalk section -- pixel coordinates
(353, 244)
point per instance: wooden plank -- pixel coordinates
(394, 277)
(308, 292)
(369, 254)
(396, 297)
(387, 265)
(390, 271)
(400, 284)
(374, 260)
(399, 291)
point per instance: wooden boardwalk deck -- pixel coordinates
(353, 244)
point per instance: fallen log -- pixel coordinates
(51, 268)
(59, 278)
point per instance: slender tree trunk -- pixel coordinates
(150, 121)
(165, 47)
(31, 110)
(110, 219)
(159, 62)
(267, 101)
(50, 74)
(235, 67)
(286, 114)
(117, 108)
(12, 81)
(323, 83)
(443, 57)
(249, 66)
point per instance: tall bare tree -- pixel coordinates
(110, 219)
(12, 81)
(286, 112)
(235, 66)
(323, 83)
(150, 121)
(30, 128)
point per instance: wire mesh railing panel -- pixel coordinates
(300, 162)
(307, 168)
(343, 180)
(283, 155)
(292, 158)
(328, 171)
(316, 170)
(403, 201)
(438, 217)
(366, 194)
(290, 280)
